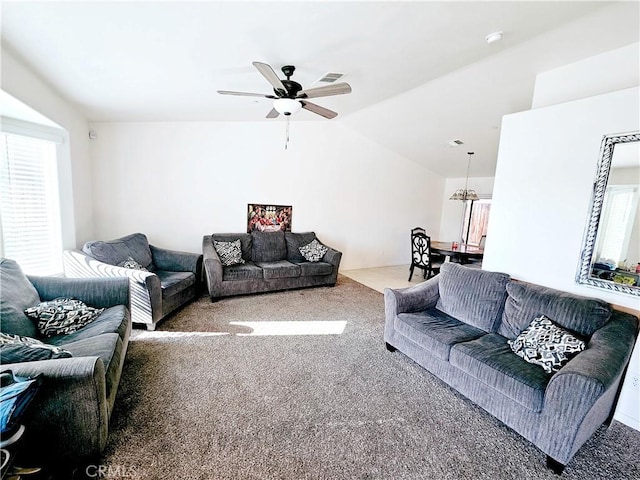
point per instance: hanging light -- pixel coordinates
(287, 106)
(465, 193)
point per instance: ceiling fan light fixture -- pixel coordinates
(287, 106)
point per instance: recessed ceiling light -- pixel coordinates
(493, 37)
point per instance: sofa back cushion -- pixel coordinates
(294, 241)
(245, 242)
(475, 297)
(268, 246)
(16, 295)
(527, 301)
(115, 252)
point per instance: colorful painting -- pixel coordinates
(268, 218)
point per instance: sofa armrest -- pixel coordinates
(606, 356)
(333, 257)
(97, 292)
(145, 288)
(411, 299)
(595, 373)
(176, 261)
(212, 266)
(68, 419)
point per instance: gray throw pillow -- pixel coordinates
(313, 251)
(546, 344)
(230, 253)
(62, 316)
(18, 349)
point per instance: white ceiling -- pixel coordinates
(408, 63)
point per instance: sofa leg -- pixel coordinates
(555, 466)
(390, 347)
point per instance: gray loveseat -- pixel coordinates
(69, 418)
(457, 324)
(272, 261)
(170, 279)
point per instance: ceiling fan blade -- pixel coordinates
(245, 94)
(273, 113)
(324, 112)
(268, 73)
(335, 89)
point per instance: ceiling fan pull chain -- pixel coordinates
(286, 143)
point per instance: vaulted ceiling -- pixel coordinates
(421, 72)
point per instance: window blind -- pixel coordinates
(620, 203)
(29, 204)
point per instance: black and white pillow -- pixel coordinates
(132, 264)
(313, 251)
(62, 316)
(230, 253)
(17, 349)
(546, 344)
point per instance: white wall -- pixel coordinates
(179, 181)
(452, 210)
(608, 72)
(74, 167)
(546, 167)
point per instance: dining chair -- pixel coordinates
(421, 255)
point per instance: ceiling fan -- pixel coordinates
(289, 96)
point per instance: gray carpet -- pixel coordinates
(201, 399)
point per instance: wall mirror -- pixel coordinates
(611, 251)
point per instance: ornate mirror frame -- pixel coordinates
(591, 234)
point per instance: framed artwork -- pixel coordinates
(268, 218)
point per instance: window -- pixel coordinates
(476, 220)
(618, 215)
(29, 200)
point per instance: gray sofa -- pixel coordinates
(457, 324)
(170, 279)
(272, 261)
(69, 419)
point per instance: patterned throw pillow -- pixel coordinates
(230, 253)
(62, 316)
(17, 349)
(132, 264)
(313, 251)
(546, 344)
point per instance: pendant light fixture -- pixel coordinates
(466, 193)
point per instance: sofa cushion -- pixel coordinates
(527, 301)
(17, 349)
(308, 269)
(435, 331)
(113, 320)
(546, 344)
(490, 360)
(119, 250)
(280, 269)
(313, 251)
(268, 246)
(62, 316)
(472, 296)
(17, 294)
(294, 241)
(230, 253)
(246, 242)
(174, 282)
(245, 271)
